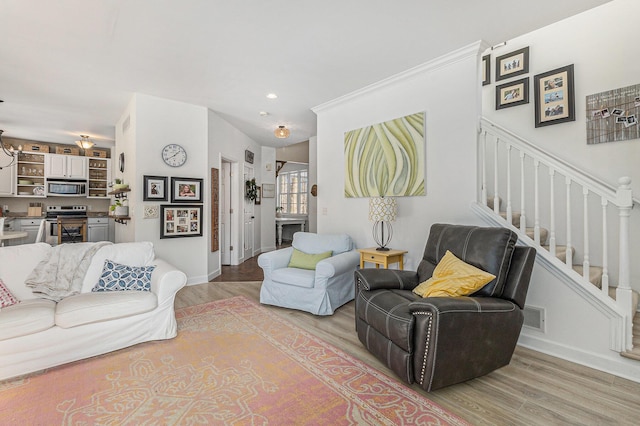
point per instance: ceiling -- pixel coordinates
(69, 67)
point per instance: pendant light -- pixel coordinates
(282, 132)
(84, 142)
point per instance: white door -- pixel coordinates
(248, 216)
(225, 214)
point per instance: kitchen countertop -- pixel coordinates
(23, 215)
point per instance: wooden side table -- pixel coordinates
(382, 258)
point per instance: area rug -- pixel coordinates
(233, 363)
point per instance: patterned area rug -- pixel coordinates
(233, 363)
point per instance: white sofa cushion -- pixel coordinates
(309, 242)
(27, 317)
(130, 254)
(17, 262)
(294, 276)
(86, 308)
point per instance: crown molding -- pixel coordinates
(470, 50)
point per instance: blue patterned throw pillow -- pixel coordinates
(117, 277)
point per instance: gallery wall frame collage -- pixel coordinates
(553, 90)
(183, 217)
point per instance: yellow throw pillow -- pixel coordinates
(304, 260)
(453, 277)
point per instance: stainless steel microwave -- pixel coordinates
(66, 188)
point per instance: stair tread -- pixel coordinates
(635, 298)
(544, 234)
(632, 354)
(595, 274)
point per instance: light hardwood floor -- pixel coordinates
(535, 389)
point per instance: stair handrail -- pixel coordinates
(621, 197)
(596, 185)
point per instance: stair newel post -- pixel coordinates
(605, 248)
(569, 256)
(509, 208)
(585, 231)
(496, 199)
(523, 216)
(483, 159)
(552, 213)
(623, 292)
(536, 202)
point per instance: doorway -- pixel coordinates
(226, 191)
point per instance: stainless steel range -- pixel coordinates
(73, 220)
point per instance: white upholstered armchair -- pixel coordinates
(321, 290)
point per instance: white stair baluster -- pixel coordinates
(536, 202)
(569, 260)
(585, 230)
(552, 214)
(523, 216)
(496, 199)
(483, 154)
(509, 208)
(605, 248)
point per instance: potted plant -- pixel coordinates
(119, 185)
(119, 209)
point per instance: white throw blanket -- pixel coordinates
(62, 273)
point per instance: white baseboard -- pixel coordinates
(613, 364)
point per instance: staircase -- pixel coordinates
(566, 219)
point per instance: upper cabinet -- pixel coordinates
(7, 177)
(65, 166)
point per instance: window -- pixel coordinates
(293, 191)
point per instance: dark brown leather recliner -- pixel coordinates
(440, 341)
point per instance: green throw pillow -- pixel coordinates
(303, 260)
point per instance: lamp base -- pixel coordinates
(382, 249)
(381, 237)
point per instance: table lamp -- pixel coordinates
(382, 211)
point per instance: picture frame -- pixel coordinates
(512, 64)
(180, 221)
(554, 96)
(512, 94)
(155, 188)
(248, 156)
(486, 70)
(186, 190)
(268, 190)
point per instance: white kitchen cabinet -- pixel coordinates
(7, 176)
(99, 177)
(31, 227)
(98, 229)
(65, 166)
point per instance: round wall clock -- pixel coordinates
(174, 155)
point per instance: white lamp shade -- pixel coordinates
(382, 209)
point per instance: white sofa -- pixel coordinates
(320, 291)
(38, 333)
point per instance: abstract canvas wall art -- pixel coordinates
(386, 159)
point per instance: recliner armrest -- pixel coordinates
(376, 279)
(338, 264)
(462, 304)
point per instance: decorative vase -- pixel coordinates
(122, 211)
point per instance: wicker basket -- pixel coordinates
(67, 150)
(35, 147)
(95, 152)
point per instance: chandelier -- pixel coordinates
(84, 142)
(9, 152)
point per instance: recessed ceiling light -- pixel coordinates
(263, 113)
(272, 96)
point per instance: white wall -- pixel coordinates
(447, 89)
(268, 205)
(225, 141)
(154, 123)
